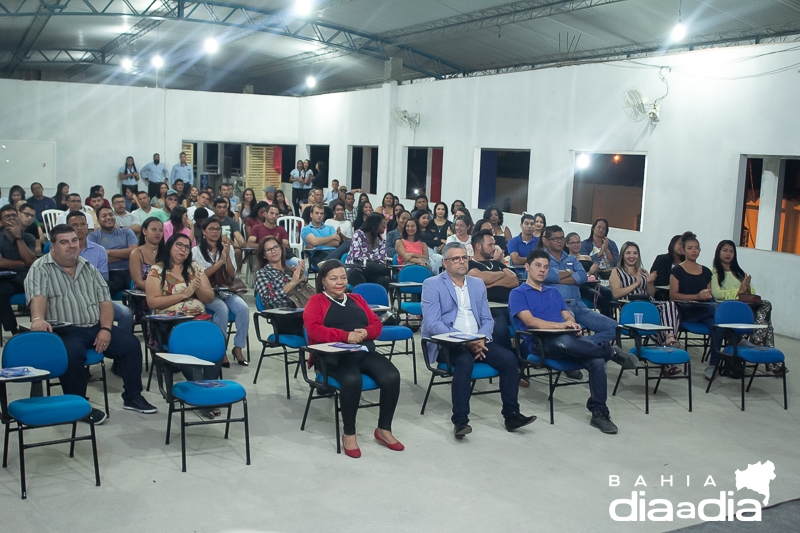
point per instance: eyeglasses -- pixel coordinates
(573, 242)
(272, 249)
(10, 216)
(217, 228)
(459, 259)
(181, 246)
(556, 239)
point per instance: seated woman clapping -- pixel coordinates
(730, 282)
(630, 280)
(333, 316)
(275, 280)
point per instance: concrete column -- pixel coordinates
(767, 236)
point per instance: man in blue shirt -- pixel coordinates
(118, 243)
(154, 174)
(39, 201)
(522, 245)
(181, 170)
(317, 234)
(566, 274)
(98, 258)
(533, 305)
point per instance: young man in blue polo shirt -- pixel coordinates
(317, 234)
(534, 305)
(523, 244)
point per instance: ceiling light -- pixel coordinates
(678, 32)
(127, 64)
(157, 61)
(303, 7)
(311, 82)
(583, 161)
(617, 158)
(211, 45)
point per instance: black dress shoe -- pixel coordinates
(459, 430)
(517, 420)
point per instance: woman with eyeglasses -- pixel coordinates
(213, 256)
(275, 280)
(177, 284)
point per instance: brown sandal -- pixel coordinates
(671, 370)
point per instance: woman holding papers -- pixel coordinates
(331, 316)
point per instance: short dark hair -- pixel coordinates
(478, 236)
(36, 183)
(220, 200)
(60, 229)
(537, 253)
(73, 194)
(549, 230)
(99, 209)
(96, 194)
(324, 270)
(526, 216)
(204, 191)
(317, 206)
(73, 214)
(176, 181)
(270, 206)
(26, 205)
(349, 193)
(8, 207)
(143, 192)
(117, 196)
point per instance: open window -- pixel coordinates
(503, 179)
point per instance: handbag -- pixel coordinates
(750, 298)
(232, 284)
(301, 294)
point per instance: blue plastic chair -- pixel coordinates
(204, 342)
(327, 387)
(444, 370)
(659, 356)
(287, 343)
(417, 274)
(375, 294)
(695, 328)
(735, 312)
(552, 368)
(44, 351)
(16, 299)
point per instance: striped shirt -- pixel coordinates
(74, 300)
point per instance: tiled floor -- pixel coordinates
(542, 478)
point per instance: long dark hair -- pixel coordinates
(417, 234)
(594, 225)
(446, 211)
(360, 215)
(165, 258)
(16, 188)
(282, 208)
(133, 163)
(254, 210)
(262, 260)
(59, 198)
(453, 206)
(95, 188)
(671, 250)
(370, 228)
(487, 214)
(253, 202)
(203, 244)
(736, 270)
(143, 239)
(325, 269)
(176, 217)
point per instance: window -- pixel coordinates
(609, 186)
(767, 222)
(319, 153)
(288, 161)
(504, 178)
(424, 173)
(364, 168)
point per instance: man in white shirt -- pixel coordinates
(123, 218)
(203, 200)
(338, 222)
(74, 204)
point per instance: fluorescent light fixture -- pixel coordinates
(211, 45)
(127, 64)
(303, 7)
(583, 161)
(157, 61)
(678, 32)
(311, 82)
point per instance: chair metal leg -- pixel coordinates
(183, 437)
(72, 442)
(647, 389)
(286, 371)
(413, 358)
(22, 462)
(308, 406)
(689, 378)
(170, 411)
(336, 410)
(752, 377)
(247, 340)
(713, 375)
(427, 394)
(5, 445)
(150, 375)
(260, 360)
(228, 423)
(742, 380)
(105, 387)
(94, 456)
(246, 431)
(658, 381)
(619, 377)
(551, 388)
(785, 400)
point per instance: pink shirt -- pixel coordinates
(168, 230)
(411, 248)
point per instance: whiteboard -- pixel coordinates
(23, 162)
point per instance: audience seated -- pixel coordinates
(441, 225)
(394, 235)
(690, 282)
(535, 305)
(315, 197)
(316, 234)
(410, 249)
(39, 201)
(387, 207)
(63, 286)
(248, 204)
(275, 279)
(118, 243)
(430, 237)
(203, 200)
(151, 243)
(93, 191)
(574, 248)
(566, 274)
(178, 187)
(600, 248)
(213, 255)
(30, 226)
(159, 201)
(15, 194)
(501, 233)
(333, 193)
(339, 222)
(730, 282)
(455, 206)
(17, 254)
(333, 316)
(283, 207)
(662, 265)
(74, 204)
(146, 210)
(454, 302)
(178, 222)
(485, 225)
(364, 210)
(522, 245)
(368, 250)
(350, 209)
(60, 198)
(122, 218)
(462, 226)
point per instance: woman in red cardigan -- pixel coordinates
(333, 316)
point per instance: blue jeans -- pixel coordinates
(592, 356)
(241, 312)
(605, 329)
(498, 358)
(501, 334)
(703, 314)
(123, 317)
(219, 316)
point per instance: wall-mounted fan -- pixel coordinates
(404, 119)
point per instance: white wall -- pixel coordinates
(708, 120)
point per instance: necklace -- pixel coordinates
(334, 300)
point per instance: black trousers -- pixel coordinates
(152, 189)
(118, 280)
(9, 287)
(297, 195)
(347, 369)
(372, 273)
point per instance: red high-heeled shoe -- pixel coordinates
(355, 453)
(396, 447)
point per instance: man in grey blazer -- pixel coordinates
(455, 302)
